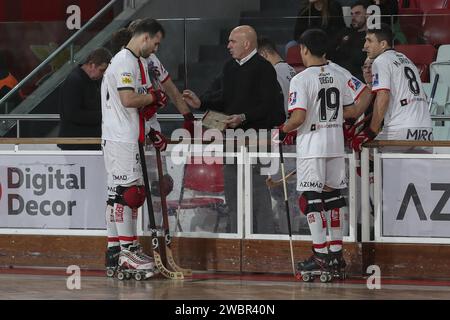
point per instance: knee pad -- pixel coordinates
(310, 201)
(133, 196)
(333, 200)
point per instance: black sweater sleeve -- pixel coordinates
(212, 99)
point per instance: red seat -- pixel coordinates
(422, 55)
(411, 21)
(294, 59)
(436, 27)
(206, 178)
(427, 5)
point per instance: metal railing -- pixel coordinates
(58, 51)
(56, 117)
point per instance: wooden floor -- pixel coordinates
(48, 285)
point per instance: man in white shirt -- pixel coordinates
(127, 101)
(285, 72)
(400, 103)
(319, 98)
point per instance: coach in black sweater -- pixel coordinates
(248, 91)
(80, 102)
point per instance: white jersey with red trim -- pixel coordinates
(285, 73)
(322, 92)
(356, 86)
(118, 122)
(408, 106)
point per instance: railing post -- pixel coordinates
(365, 198)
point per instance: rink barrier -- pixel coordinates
(409, 200)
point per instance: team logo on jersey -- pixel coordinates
(292, 98)
(354, 84)
(375, 79)
(126, 78)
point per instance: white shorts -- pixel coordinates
(122, 163)
(314, 174)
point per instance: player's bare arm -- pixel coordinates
(379, 109)
(191, 99)
(360, 106)
(296, 120)
(175, 96)
(131, 99)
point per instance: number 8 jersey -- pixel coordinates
(408, 107)
(322, 92)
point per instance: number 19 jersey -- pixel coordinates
(322, 92)
(408, 107)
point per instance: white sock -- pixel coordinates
(318, 227)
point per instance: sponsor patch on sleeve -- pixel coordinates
(126, 79)
(375, 79)
(354, 84)
(292, 98)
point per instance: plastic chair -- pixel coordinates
(422, 55)
(294, 59)
(441, 132)
(442, 67)
(411, 21)
(436, 27)
(207, 179)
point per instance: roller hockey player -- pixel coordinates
(127, 97)
(319, 98)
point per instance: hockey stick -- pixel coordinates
(151, 214)
(272, 184)
(167, 237)
(287, 207)
(433, 91)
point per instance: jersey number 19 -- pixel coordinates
(329, 100)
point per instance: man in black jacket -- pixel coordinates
(79, 100)
(247, 91)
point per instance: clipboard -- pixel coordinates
(214, 120)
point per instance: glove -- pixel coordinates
(189, 122)
(364, 136)
(349, 129)
(149, 111)
(159, 98)
(158, 139)
(282, 137)
(290, 138)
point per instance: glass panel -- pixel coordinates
(198, 201)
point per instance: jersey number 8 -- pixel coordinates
(412, 81)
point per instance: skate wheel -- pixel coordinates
(110, 273)
(330, 277)
(120, 275)
(128, 276)
(324, 278)
(306, 277)
(138, 276)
